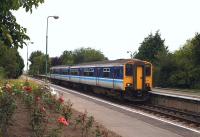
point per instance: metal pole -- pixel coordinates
(46, 49)
(55, 17)
(27, 65)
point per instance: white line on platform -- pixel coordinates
(126, 108)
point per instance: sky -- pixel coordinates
(112, 26)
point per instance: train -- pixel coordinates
(129, 79)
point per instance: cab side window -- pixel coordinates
(129, 70)
(148, 70)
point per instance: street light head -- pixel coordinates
(128, 51)
(56, 17)
(32, 42)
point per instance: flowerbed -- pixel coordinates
(32, 110)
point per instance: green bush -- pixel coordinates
(2, 73)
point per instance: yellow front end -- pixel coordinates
(137, 79)
(149, 77)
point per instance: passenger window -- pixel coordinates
(74, 71)
(65, 72)
(106, 72)
(129, 70)
(148, 70)
(89, 72)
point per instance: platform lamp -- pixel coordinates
(55, 17)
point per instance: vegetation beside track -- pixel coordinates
(29, 109)
(179, 69)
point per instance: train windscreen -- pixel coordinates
(148, 70)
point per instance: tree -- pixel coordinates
(180, 69)
(35, 54)
(11, 33)
(67, 58)
(81, 55)
(38, 63)
(164, 70)
(11, 62)
(151, 47)
(196, 48)
(187, 59)
(55, 61)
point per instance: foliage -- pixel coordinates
(87, 55)
(180, 69)
(67, 110)
(7, 108)
(55, 61)
(151, 47)
(38, 121)
(67, 58)
(11, 62)
(11, 33)
(81, 55)
(85, 122)
(97, 132)
(38, 61)
(2, 73)
(196, 49)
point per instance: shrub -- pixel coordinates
(7, 108)
(85, 122)
(2, 73)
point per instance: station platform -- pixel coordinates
(185, 94)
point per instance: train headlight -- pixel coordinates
(129, 84)
(147, 85)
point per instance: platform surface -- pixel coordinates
(190, 94)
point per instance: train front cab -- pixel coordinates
(137, 80)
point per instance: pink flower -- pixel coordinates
(61, 99)
(43, 109)
(62, 120)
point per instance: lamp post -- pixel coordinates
(55, 17)
(27, 60)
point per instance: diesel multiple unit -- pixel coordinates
(125, 78)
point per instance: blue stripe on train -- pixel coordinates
(89, 78)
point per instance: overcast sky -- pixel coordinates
(112, 26)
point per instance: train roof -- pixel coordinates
(107, 63)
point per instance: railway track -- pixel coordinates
(189, 119)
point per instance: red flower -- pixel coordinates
(63, 121)
(61, 99)
(27, 88)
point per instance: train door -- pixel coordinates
(97, 76)
(139, 77)
(113, 76)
